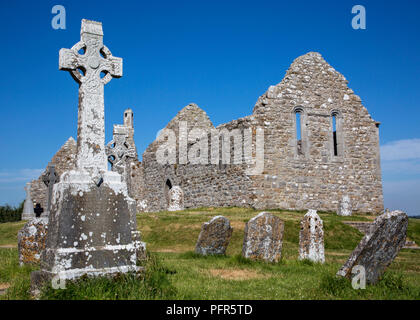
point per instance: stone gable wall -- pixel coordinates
(64, 160)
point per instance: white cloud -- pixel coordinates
(401, 150)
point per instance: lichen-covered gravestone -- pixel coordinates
(311, 238)
(263, 238)
(379, 247)
(214, 237)
(31, 240)
(176, 199)
(28, 207)
(92, 225)
(344, 207)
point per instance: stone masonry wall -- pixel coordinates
(298, 175)
(317, 178)
(64, 160)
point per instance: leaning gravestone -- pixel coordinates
(176, 199)
(379, 247)
(311, 238)
(344, 207)
(31, 240)
(214, 237)
(92, 225)
(263, 238)
(28, 212)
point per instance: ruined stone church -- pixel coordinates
(319, 144)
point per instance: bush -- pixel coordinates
(11, 214)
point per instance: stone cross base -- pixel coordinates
(92, 228)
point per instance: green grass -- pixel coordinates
(174, 271)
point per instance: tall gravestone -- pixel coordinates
(28, 207)
(311, 238)
(92, 225)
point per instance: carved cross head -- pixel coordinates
(89, 61)
(50, 177)
(118, 150)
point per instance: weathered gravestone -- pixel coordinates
(49, 179)
(31, 240)
(176, 199)
(263, 238)
(311, 238)
(214, 237)
(92, 225)
(28, 207)
(379, 247)
(344, 207)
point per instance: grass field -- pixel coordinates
(174, 271)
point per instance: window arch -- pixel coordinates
(336, 134)
(300, 141)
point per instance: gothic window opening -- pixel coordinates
(337, 138)
(334, 123)
(298, 127)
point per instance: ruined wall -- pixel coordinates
(298, 175)
(64, 160)
(215, 185)
(316, 178)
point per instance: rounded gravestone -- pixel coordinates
(263, 238)
(214, 237)
(344, 207)
(176, 199)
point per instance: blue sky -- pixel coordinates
(221, 55)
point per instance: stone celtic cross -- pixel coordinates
(49, 179)
(119, 150)
(92, 65)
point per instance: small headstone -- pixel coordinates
(214, 237)
(31, 240)
(379, 247)
(311, 238)
(176, 199)
(263, 238)
(28, 207)
(344, 207)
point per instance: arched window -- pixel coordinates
(334, 126)
(336, 134)
(300, 134)
(167, 187)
